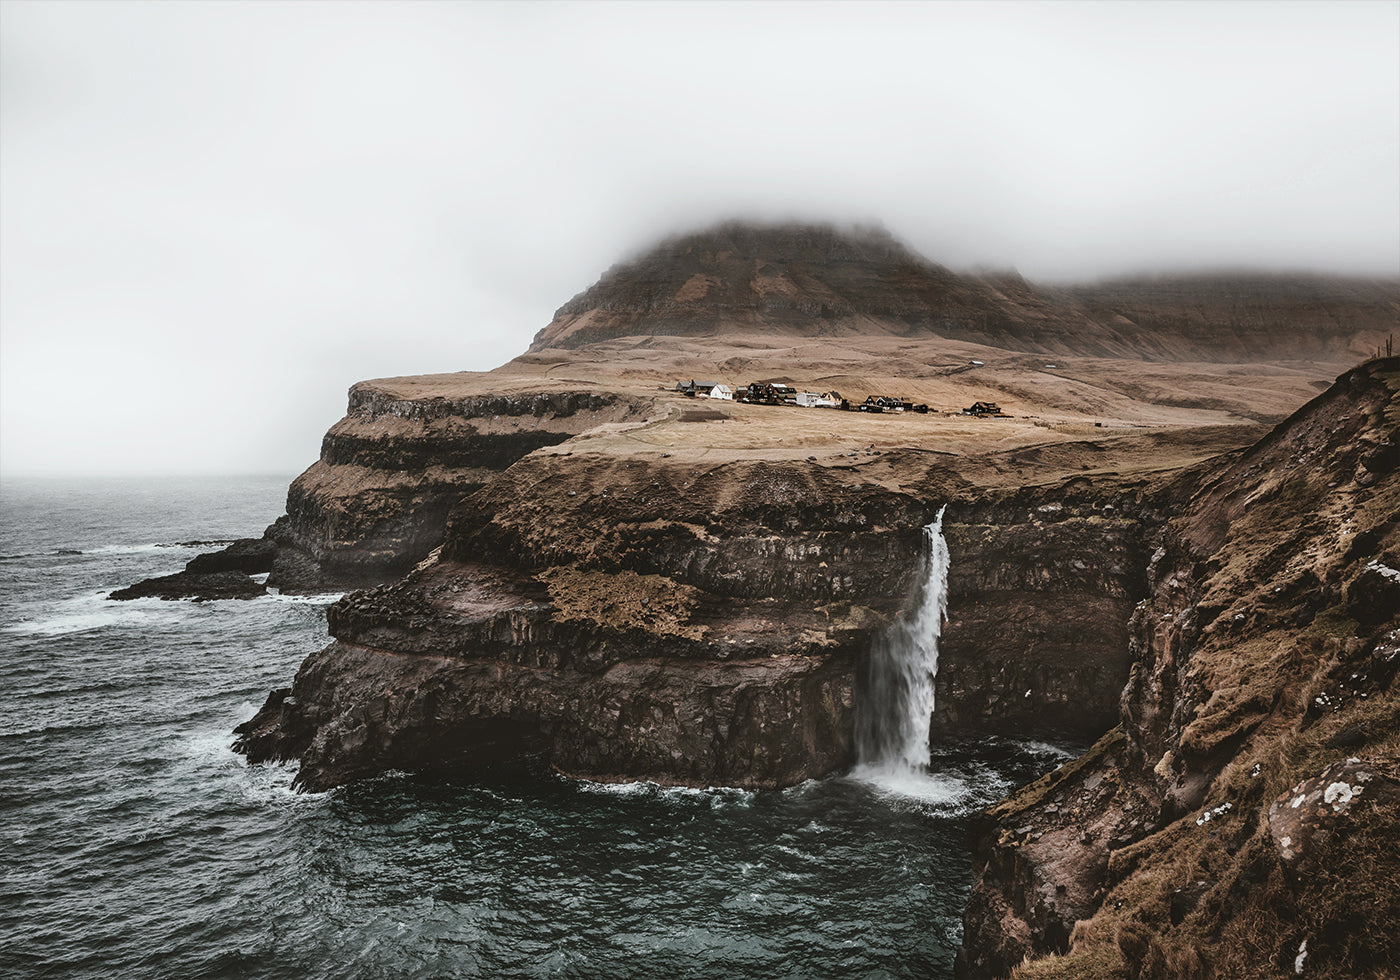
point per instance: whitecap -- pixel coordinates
(716, 795)
(131, 549)
(942, 790)
(94, 612)
(320, 599)
(1045, 748)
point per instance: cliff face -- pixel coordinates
(376, 502)
(1041, 588)
(680, 625)
(1248, 801)
(705, 625)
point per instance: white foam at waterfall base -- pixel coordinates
(892, 722)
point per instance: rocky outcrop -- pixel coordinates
(249, 555)
(1040, 590)
(756, 587)
(376, 502)
(199, 586)
(684, 625)
(1266, 674)
(486, 667)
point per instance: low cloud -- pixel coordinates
(217, 216)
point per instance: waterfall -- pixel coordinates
(893, 716)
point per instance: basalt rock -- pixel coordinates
(248, 555)
(638, 631)
(376, 503)
(1263, 676)
(760, 582)
(199, 586)
(459, 665)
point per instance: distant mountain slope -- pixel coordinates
(821, 281)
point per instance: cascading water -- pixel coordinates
(893, 716)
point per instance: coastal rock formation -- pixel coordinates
(199, 586)
(597, 527)
(1041, 588)
(638, 618)
(1267, 652)
(376, 502)
(685, 625)
(249, 555)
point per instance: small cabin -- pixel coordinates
(983, 408)
(692, 388)
(722, 391)
(886, 403)
(766, 393)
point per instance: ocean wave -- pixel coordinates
(714, 794)
(1037, 748)
(157, 546)
(123, 549)
(84, 614)
(32, 730)
(266, 784)
(320, 599)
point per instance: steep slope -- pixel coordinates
(801, 280)
(1242, 818)
(820, 281)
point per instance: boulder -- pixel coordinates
(1304, 819)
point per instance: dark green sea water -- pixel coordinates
(134, 843)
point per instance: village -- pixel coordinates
(779, 393)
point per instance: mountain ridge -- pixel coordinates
(817, 280)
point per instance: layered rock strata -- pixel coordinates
(376, 502)
(634, 626)
(1040, 592)
(646, 619)
(1261, 723)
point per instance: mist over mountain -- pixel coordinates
(822, 280)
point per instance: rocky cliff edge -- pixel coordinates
(1240, 821)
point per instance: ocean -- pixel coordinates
(135, 843)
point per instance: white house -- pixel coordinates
(722, 391)
(810, 399)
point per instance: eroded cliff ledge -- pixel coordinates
(376, 502)
(1248, 802)
(654, 618)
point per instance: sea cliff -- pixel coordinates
(569, 559)
(1240, 818)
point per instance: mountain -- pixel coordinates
(791, 280)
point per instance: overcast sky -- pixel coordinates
(215, 217)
